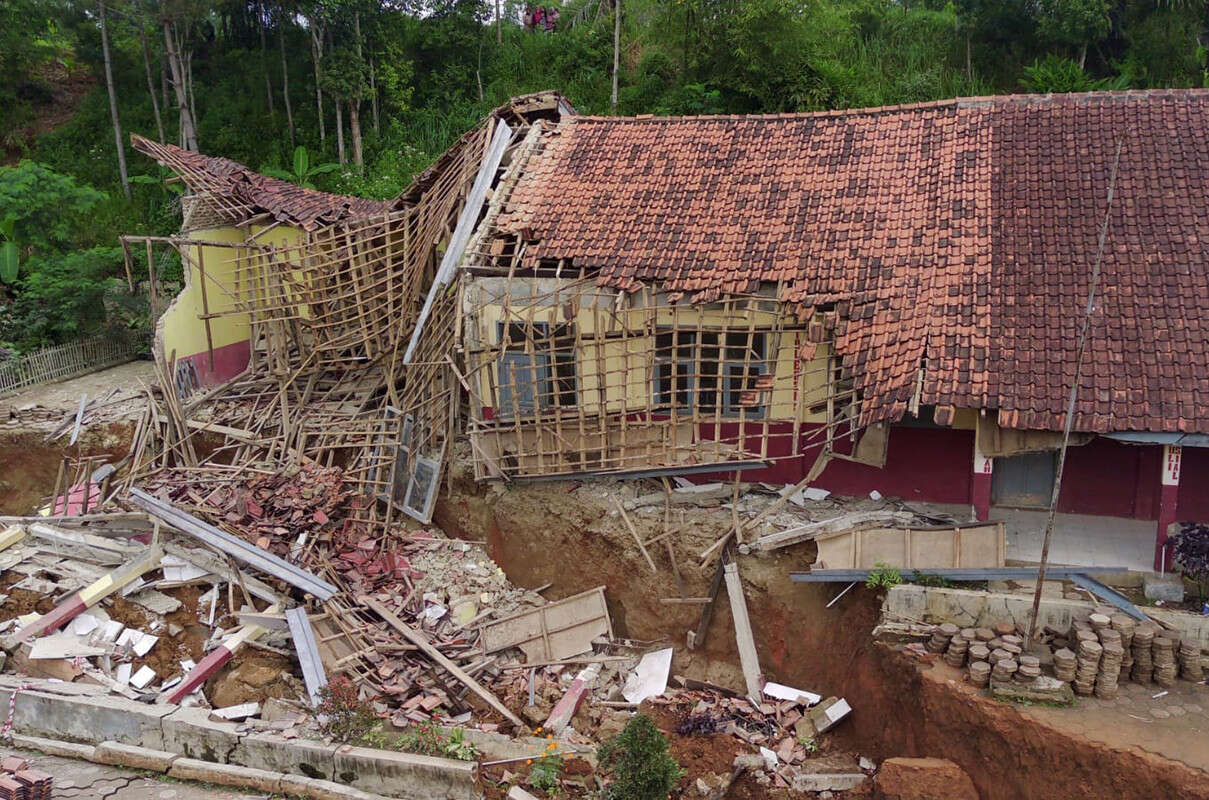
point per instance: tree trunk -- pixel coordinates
(354, 106)
(340, 134)
(316, 57)
(499, 24)
(354, 126)
(113, 104)
(1082, 55)
(285, 81)
(969, 62)
(616, 48)
(188, 130)
(155, 103)
(192, 96)
(264, 58)
(373, 98)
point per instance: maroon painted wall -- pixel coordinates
(1193, 499)
(1111, 479)
(926, 464)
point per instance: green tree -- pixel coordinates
(1075, 23)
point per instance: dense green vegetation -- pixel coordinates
(407, 77)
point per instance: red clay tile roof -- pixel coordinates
(237, 187)
(958, 235)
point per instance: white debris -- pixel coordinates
(649, 678)
(143, 677)
(780, 691)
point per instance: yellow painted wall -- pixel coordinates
(180, 329)
(624, 363)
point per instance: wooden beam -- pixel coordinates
(748, 658)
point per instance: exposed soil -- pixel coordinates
(30, 466)
(541, 533)
(251, 676)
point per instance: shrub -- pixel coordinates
(639, 761)
(545, 773)
(1190, 550)
(883, 576)
(343, 715)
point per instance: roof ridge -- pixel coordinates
(973, 101)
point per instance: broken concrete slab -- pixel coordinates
(826, 714)
(316, 789)
(274, 753)
(53, 747)
(189, 769)
(86, 718)
(1042, 689)
(1168, 588)
(384, 771)
(191, 732)
(827, 781)
(131, 755)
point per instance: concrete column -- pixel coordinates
(1169, 489)
(980, 486)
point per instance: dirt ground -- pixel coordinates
(1011, 753)
(65, 395)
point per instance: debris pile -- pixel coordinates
(784, 726)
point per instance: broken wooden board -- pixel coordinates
(557, 630)
(748, 658)
(844, 523)
(969, 547)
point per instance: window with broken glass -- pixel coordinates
(708, 372)
(536, 369)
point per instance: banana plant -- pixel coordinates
(303, 174)
(8, 250)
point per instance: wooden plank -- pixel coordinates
(557, 630)
(748, 658)
(308, 652)
(634, 533)
(420, 641)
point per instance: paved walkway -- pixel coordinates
(1175, 725)
(83, 780)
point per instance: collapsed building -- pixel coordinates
(879, 299)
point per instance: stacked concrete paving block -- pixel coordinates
(1089, 654)
(1163, 653)
(1191, 668)
(955, 655)
(980, 674)
(1065, 664)
(941, 635)
(1110, 670)
(1143, 663)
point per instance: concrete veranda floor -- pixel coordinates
(83, 780)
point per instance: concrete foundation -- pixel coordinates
(82, 724)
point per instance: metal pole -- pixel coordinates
(1074, 394)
